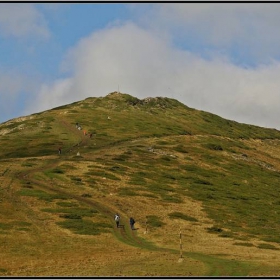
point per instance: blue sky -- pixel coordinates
(222, 58)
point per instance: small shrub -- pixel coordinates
(203, 182)
(121, 158)
(214, 147)
(166, 158)
(4, 226)
(179, 215)
(82, 212)
(66, 204)
(76, 179)
(40, 194)
(267, 246)
(21, 224)
(154, 221)
(247, 244)
(27, 164)
(84, 227)
(86, 195)
(3, 270)
(215, 230)
(169, 176)
(70, 216)
(58, 171)
(226, 235)
(181, 149)
(27, 186)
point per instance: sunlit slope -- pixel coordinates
(166, 151)
(116, 117)
(165, 164)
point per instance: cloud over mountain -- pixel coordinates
(143, 64)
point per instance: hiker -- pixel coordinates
(90, 136)
(117, 219)
(77, 125)
(59, 151)
(132, 222)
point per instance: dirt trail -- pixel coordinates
(83, 139)
(121, 233)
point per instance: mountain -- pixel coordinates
(179, 172)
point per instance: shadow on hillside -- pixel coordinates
(122, 226)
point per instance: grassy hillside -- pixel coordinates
(169, 166)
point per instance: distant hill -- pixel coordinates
(169, 166)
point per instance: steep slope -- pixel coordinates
(116, 117)
(167, 165)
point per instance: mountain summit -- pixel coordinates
(129, 118)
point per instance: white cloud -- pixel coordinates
(50, 96)
(143, 65)
(250, 31)
(22, 19)
(15, 89)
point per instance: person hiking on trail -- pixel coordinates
(132, 222)
(117, 219)
(59, 151)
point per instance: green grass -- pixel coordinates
(222, 267)
(5, 226)
(40, 194)
(76, 180)
(246, 244)
(103, 174)
(3, 270)
(179, 215)
(171, 198)
(154, 221)
(57, 171)
(66, 204)
(267, 246)
(74, 219)
(15, 225)
(79, 212)
(127, 192)
(85, 227)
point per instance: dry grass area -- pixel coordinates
(34, 245)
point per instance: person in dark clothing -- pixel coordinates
(59, 151)
(132, 222)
